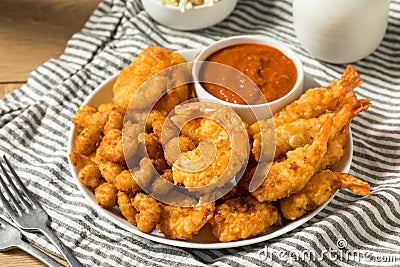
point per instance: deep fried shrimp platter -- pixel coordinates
(168, 172)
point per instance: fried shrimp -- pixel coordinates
(111, 146)
(314, 102)
(335, 150)
(300, 132)
(109, 170)
(126, 207)
(318, 190)
(184, 222)
(151, 61)
(88, 140)
(124, 182)
(222, 152)
(149, 211)
(89, 116)
(291, 175)
(243, 217)
(114, 120)
(106, 195)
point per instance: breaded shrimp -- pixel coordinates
(125, 182)
(89, 116)
(335, 150)
(90, 175)
(184, 222)
(318, 190)
(243, 217)
(88, 140)
(314, 102)
(163, 186)
(78, 160)
(126, 207)
(223, 152)
(109, 170)
(114, 120)
(291, 175)
(149, 62)
(106, 195)
(111, 146)
(149, 211)
(130, 142)
(300, 132)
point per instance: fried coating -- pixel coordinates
(291, 175)
(149, 212)
(88, 140)
(161, 186)
(176, 146)
(130, 133)
(115, 120)
(78, 160)
(111, 146)
(155, 122)
(318, 190)
(105, 107)
(189, 130)
(204, 176)
(144, 174)
(317, 101)
(106, 195)
(241, 218)
(125, 182)
(149, 62)
(335, 150)
(90, 175)
(89, 116)
(126, 207)
(109, 170)
(222, 151)
(184, 222)
(300, 132)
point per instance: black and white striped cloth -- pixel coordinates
(35, 121)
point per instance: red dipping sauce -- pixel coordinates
(274, 73)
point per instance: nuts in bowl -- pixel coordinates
(189, 15)
(274, 69)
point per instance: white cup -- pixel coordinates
(340, 31)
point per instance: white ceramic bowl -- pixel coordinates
(198, 17)
(247, 112)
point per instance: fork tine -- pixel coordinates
(5, 202)
(14, 188)
(20, 183)
(10, 195)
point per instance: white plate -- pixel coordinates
(205, 239)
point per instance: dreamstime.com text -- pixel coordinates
(339, 253)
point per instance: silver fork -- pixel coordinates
(11, 238)
(27, 213)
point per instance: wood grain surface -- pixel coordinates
(32, 32)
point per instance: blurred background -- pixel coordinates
(33, 31)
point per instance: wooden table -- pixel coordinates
(31, 32)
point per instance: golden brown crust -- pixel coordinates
(90, 175)
(125, 182)
(318, 190)
(184, 222)
(148, 214)
(126, 207)
(241, 218)
(151, 61)
(106, 195)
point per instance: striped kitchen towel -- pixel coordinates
(35, 122)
